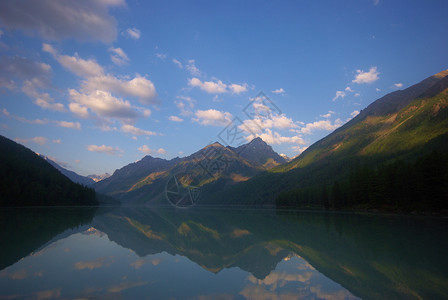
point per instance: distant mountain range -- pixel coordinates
(70, 174)
(212, 168)
(100, 177)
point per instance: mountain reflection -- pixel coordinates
(288, 254)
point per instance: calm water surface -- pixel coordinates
(142, 253)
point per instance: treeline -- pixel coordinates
(421, 185)
(28, 180)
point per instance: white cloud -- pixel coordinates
(354, 113)
(74, 125)
(349, 89)
(357, 94)
(191, 67)
(96, 80)
(102, 104)
(366, 77)
(274, 138)
(118, 56)
(398, 85)
(115, 151)
(321, 125)
(75, 64)
(146, 150)
(339, 94)
(56, 20)
(175, 119)
(136, 131)
(378, 90)
(238, 88)
(212, 117)
(278, 91)
(133, 33)
(327, 115)
(209, 86)
(48, 105)
(298, 149)
(57, 141)
(44, 100)
(79, 110)
(177, 63)
(139, 87)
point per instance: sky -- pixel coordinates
(96, 85)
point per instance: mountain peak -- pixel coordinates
(257, 140)
(215, 144)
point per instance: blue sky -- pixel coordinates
(96, 85)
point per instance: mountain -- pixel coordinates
(260, 153)
(210, 169)
(397, 136)
(70, 174)
(29, 180)
(100, 177)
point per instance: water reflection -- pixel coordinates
(221, 254)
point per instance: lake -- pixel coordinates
(161, 253)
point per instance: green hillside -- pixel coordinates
(29, 180)
(400, 130)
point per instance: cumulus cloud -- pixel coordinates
(136, 131)
(118, 56)
(75, 64)
(257, 125)
(366, 77)
(278, 91)
(238, 88)
(33, 87)
(175, 119)
(349, 89)
(146, 150)
(212, 117)
(95, 78)
(209, 86)
(398, 85)
(114, 151)
(218, 87)
(133, 33)
(102, 104)
(35, 76)
(321, 125)
(139, 87)
(79, 110)
(56, 20)
(339, 94)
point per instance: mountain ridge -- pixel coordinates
(214, 167)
